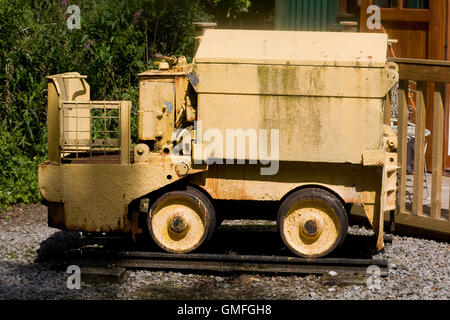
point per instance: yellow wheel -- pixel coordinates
(312, 222)
(180, 221)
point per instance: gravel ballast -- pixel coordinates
(418, 269)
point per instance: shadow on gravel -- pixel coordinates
(39, 282)
(58, 245)
(33, 281)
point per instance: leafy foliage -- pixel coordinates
(117, 40)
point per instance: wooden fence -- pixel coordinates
(434, 217)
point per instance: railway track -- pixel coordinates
(225, 262)
(233, 250)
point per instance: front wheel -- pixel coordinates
(312, 222)
(181, 221)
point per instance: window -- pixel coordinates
(349, 7)
(386, 3)
(416, 4)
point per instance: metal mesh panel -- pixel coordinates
(90, 131)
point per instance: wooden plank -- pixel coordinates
(364, 16)
(402, 141)
(430, 62)
(437, 29)
(447, 100)
(437, 157)
(423, 222)
(446, 164)
(419, 148)
(405, 15)
(424, 72)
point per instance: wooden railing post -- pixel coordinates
(419, 148)
(437, 148)
(402, 134)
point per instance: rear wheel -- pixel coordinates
(312, 222)
(181, 221)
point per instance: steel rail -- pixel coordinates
(227, 262)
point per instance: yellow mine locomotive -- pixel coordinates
(288, 118)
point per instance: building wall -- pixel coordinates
(306, 15)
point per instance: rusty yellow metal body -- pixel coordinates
(323, 93)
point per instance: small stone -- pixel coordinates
(332, 273)
(331, 289)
